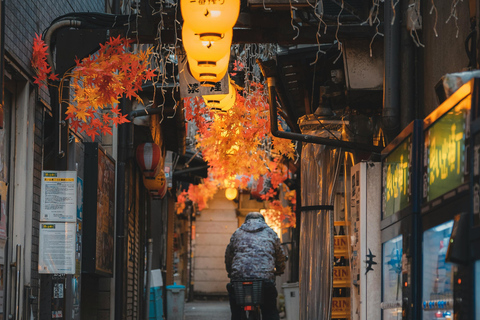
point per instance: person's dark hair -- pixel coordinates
(254, 215)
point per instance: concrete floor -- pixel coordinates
(207, 310)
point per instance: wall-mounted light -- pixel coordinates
(210, 19)
(231, 193)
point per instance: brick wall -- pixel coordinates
(24, 18)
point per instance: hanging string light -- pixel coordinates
(210, 19)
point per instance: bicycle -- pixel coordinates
(249, 296)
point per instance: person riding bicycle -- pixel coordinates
(255, 252)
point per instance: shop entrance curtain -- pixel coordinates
(320, 167)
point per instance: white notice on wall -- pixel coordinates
(59, 196)
(57, 248)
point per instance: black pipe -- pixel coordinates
(391, 83)
(2, 57)
(295, 264)
(120, 227)
(193, 169)
(143, 112)
(408, 80)
(346, 145)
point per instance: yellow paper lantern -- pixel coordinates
(210, 74)
(157, 183)
(210, 19)
(206, 53)
(231, 193)
(221, 102)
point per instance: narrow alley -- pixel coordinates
(207, 310)
(320, 159)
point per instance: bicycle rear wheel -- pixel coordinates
(255, 314)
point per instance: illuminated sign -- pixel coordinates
(396, 178)
(444, 156)
(341, 276)
(340, 245)
(340, 307)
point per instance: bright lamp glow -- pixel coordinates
(206, 53)
(231, 193)
(209, 73)
(210, 19)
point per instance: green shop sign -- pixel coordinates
(445, 152)
(396, 178)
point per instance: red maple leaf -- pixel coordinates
(91, 131)
(106, 118)
(75, 124)
(105, 129)
(149, 74)
(120, 119)
(53, 77)
(116, 111)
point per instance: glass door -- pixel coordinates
(392, 279)
(437, 293)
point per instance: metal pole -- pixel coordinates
(120, 220)
(18, 282)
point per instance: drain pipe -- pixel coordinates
(347, 145)
(143, 112)
(408, 80)
(120, 255)
(48, 37)
(391, 85)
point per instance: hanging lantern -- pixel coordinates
(210, 19)
(231, 193)
(206, 53)
(221, 102)
(148, 158)
(158, 194)
(209, 74)
(157, 186)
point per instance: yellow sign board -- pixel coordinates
(340, 307)
(341, 277)
(340, 245)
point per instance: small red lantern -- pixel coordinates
(148, 158)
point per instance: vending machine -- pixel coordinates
(401, 183)
(365, 248)
(446, 291)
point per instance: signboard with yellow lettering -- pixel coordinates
(340, 307)
(341, 276)
(397, 178)
(340, 245)
(58, 201)
(445, 153)
(57, 248)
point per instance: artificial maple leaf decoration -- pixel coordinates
(39, 62)
(239, 146)
(279, 216)
(239, 142)
(98, 81)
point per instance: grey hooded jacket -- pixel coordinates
(254, 251)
